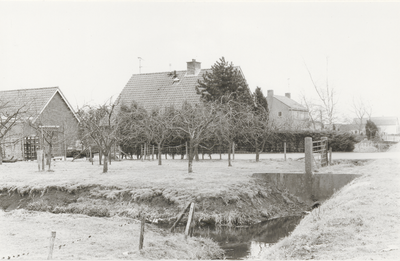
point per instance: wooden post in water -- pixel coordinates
(51, 246)
(141, 237)
(189, 219)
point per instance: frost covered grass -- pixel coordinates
(27, 234)
(361, 221)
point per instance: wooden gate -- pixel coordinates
(31, 144)
(320, 152)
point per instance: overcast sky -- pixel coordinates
(90, 49)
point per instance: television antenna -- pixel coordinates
(140, 64)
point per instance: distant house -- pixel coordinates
(162, 89)
(287, 111)
(47, 108)
(386, 125)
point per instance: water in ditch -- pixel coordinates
(248, 242)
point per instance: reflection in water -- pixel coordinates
(240, 243)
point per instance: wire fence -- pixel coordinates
(57, 244)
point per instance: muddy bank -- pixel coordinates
(259, 202)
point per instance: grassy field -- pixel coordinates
(225, 195)
(112, 201)
(361, 221)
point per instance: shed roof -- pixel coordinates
(36, 99)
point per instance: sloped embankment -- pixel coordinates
(242, 204)
(361, 221)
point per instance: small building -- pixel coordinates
(162, 89)
(286, 111)
(46, 112)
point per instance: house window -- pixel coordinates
(279, 114)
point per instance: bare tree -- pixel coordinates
(9, 116)
(100, 124)
(362, 110)
(327, 98)
(313, 110)
(192, 122)
(256, 128)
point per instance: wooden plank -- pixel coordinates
(180, 216)
(189, 219)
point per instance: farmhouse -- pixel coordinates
(46, 112)
(286, 111)
(162, 89)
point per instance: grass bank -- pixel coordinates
(25, 235)
(222, 195)
(361, 221)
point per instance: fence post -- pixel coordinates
(51, 246)
(189, 219)
(141, 237)
(330, 156)
(284, 149)
(308, 164)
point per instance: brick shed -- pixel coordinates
(48, 116)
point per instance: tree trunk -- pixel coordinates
(257, 152)
(233, 150)
(1, 154)
(100, 156)
(48, 160)
(196, 152)
(190, 151)
(229, 155)
(90, 154)
(159, 153)
(109, 156)
(105, 165)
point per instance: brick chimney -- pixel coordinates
(287, 94)
(270, 93)
(193, 67)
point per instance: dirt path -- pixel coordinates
(362, 221)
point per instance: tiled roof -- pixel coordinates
(159, 89)
(380, 121)
(36, 99)
(291, 103)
